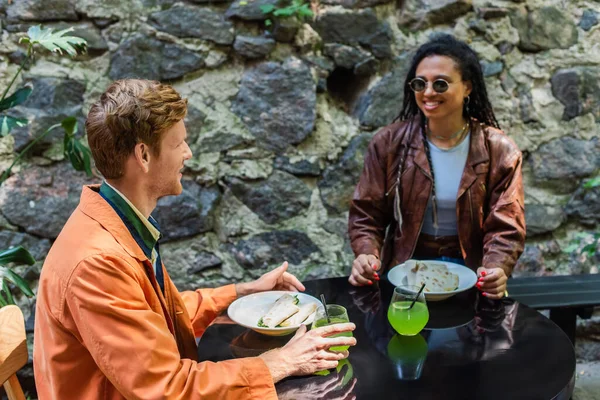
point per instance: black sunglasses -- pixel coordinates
(420, 84)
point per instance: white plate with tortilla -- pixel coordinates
(442, 279)
(274, 313)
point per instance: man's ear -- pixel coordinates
(142, 156)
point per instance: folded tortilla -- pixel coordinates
(435, 276)
(305, 311)
(282, 309)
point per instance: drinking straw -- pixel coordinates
(416, 297)
(325, 305)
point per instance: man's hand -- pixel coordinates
(308, 352)
(364, 270)
(278, 279)
(491, 282)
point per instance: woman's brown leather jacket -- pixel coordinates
(489, 206)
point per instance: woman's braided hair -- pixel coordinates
(477, 106)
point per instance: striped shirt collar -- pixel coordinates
(147, 228)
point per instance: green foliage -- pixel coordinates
(77, 153)
(592, 183)
(55, 41)
(16, 255)
(18, 97)
(586, 243)
(7, 123)
(296, 8)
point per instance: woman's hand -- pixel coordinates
(491, 282)
(364, 270)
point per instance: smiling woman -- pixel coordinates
(443, 181)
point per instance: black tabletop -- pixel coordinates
(471, 348)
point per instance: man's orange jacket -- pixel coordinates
(104, 330)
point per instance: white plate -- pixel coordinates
(466, 278)
(247, 310)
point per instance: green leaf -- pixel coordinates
(592, 183)
(284, 12)
(305, 12)
(16, 98)
(243, 3)
(17, 255)
(268, 22)
(69, 124)
(571, 248)
(267, 8)
(55, 41)
(589, 248)
(78, 154)
(6, 289)
(7, 123)
(18, 281)
(3, 302)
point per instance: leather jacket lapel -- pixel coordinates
(478, 154)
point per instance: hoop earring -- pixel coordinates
(466, 103)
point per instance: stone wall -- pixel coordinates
(280, 117)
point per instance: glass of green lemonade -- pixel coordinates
(404, 319)
(337, 315)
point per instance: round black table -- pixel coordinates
(475, 349)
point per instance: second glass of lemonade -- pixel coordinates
(337, 315)
(407, 320)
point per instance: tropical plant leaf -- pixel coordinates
(267, 8)
(571, 247)
(305, 12)
(15, 279)
(6, 290)
(268, 22)
(592, 183)
(69, 124)
(78, 154)
(3, 302)
(285, 12)
(17, 255)
(55, 41)
(18, 97)
(7, 123)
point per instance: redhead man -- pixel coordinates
(110, 324)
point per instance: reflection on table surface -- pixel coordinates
(470, 344)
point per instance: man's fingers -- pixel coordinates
(293, 281)
(325, 364)
(335, 328)
(329, 342)
(299, 332)
(332, 355)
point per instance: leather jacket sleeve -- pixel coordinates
(369, 214)
(504, 226)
